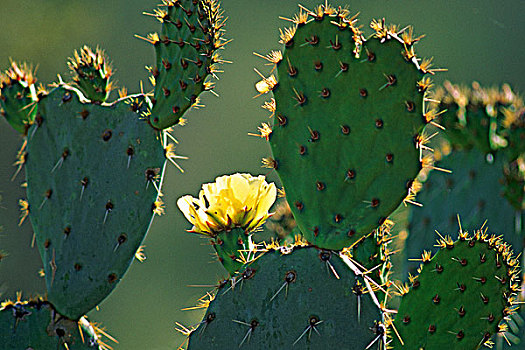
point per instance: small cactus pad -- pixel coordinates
(460, 296)
(18, 95)
(348, 114)
(233, 248)
(187, 56)
(92, 178)
(35, 325)
(303, 299)
(91, 73)
(476, 193)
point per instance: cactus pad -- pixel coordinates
(187, 56)
(92, 175)
(18, 95)
(474, 188)
(280, 301)
(348, 113)
(35, 324)
(233, 248)
(460, 296)
(493, 121)
(91, 73)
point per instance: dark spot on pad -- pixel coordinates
(290, 276)
(122, 238)
(112, 277)
(106, 135)
(282, 120)
(67, 97)
(410, 106)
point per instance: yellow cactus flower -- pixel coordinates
(238, 200)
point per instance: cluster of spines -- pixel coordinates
(91, 73)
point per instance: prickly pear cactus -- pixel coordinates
(93, 174)
(308, 299)
(187, 56)
(34, 324)
(460, 296)
(474, 188)
(18, 96)
(348, 116)
(493, 121)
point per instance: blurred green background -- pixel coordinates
(476, 40)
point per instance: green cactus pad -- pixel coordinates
(36, 325)
(345, 127)
(92, 173)
(187, 56)
(18, 95)
(91, 73)
(493, 121)
(281, 301)
(460, 296)
(476, 193)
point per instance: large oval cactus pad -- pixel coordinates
(90, 175)
(345, 130)
(304, 299)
